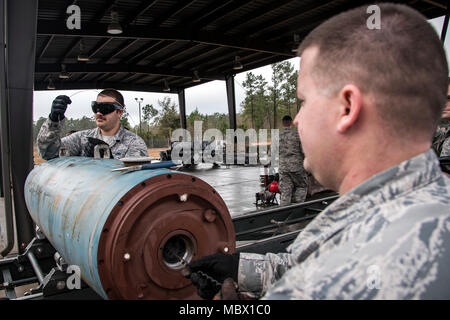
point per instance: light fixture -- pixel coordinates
(196, 78)
(50, 85)
(64, 74)
(237, 63)
(166, 86)
(114, 27)
(296, 42)
(82, 56)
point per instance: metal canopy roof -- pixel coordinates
(166, 40)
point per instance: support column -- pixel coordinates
(21, 20)
(445, 26)
(6, 192)
(231, 101)
(182, 104)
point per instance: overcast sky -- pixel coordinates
(208, 98)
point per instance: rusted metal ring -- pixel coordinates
(150, 220)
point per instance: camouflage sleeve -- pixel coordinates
(445, 152)
(258, 272)
(137, 148)
(49, 140)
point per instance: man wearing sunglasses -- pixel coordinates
(108, 108)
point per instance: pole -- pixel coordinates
(140, 121)
(139, 101)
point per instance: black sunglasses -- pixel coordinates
(104, 107)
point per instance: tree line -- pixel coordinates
(264, 106)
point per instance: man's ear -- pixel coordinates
(350, 99)
(120, 112)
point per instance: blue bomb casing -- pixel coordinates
(129, 233)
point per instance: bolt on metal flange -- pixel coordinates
(210, 215)
(184, 197)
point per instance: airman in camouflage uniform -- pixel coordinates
(123, 144)
(445, 152)
(441, 140)
(108, 109)
(293, 178)
(387, 236)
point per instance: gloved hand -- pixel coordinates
(207, 287)
(217, 266)
(59, 107)
(89, 147)
(228, 291)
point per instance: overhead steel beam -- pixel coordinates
(206, 11)
(223, 11)
(436, 4)
(72, 45)
(83, 77)
(47, 44)
(117, 68)
(169, 56)
(110, 4)
(298, 14)
(102, 77)
(153, 52)
(254, 14)
(62, 17)
(102, 43)
(311, 22)
(143, 8)
(175, 9)
(227, 61)
(181, 34)
(106, 8)
(195, 56)
(149, 49)
(121, 49)
(186, 84)
(76, 43)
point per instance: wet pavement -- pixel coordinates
(236, 185)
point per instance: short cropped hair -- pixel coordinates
(113, 93)
(287, 121)
(402, 64)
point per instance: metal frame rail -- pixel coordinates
(265, 223)
(262, 231)
(41, 265)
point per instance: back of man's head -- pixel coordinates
(286, 121)
(402, 65)
(113, 93)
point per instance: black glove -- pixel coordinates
(218, 266)
(59, 107)
(207, 287)
(209, 272)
